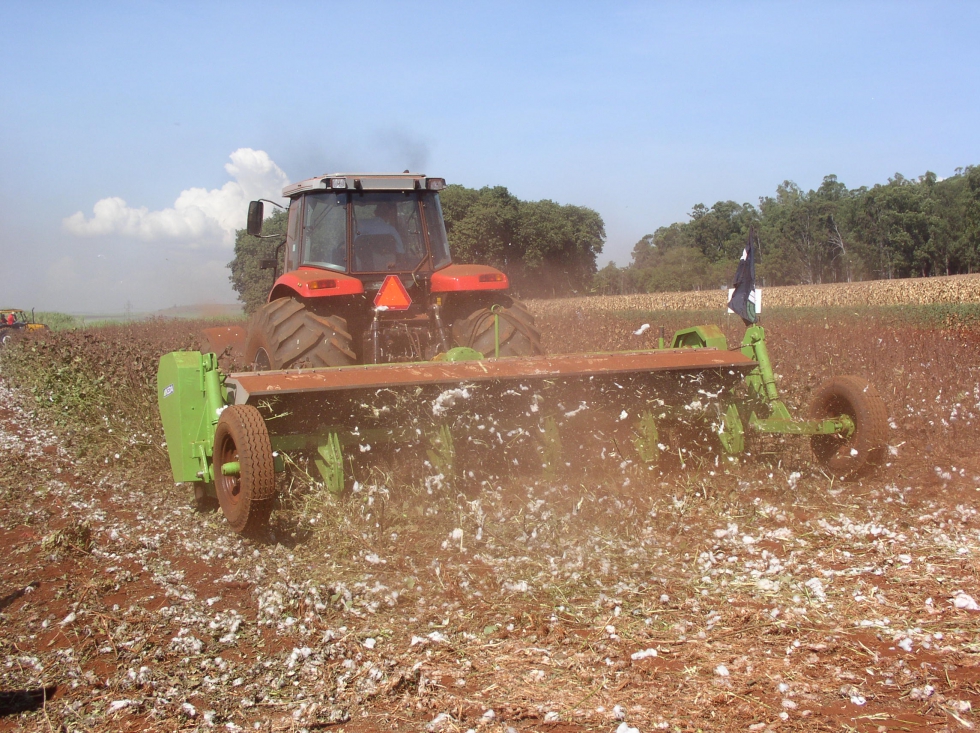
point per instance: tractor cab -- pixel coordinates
(14, 322)
(14, 317)
(363, 226)
(367, 257)
(369, 235)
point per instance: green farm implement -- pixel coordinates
(229, 434)
(372, 339)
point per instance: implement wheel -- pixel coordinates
(516, 331)
(246, 491)
(864, 450)
(284, 334)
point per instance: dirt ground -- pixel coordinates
(761, 595)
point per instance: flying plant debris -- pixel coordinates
(446, 361)
(551, 414)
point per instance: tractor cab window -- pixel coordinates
(325, 231)
(387, 232)
(436, 227)
(292, 234)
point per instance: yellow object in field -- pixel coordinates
(14, 322)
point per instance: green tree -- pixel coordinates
(481, 224)
(905, 227)
(545, 248)
(251, 283)
(559, 246)
(676, 235)
(644, 251)
(613, 280)
(678, 268)
(971, 227)
(800, 230)
(720, 232)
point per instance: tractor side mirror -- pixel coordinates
(255, 215)
(267, 264)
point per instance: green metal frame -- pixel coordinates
(700, 337)
(192, 394)
(495, 310)
(732, 432)
(761, 382)
(550, 448)
(442, 451)
(646, 439)
(329, 461)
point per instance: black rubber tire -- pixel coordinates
(518, 334)
(859, 455)
(9, 336)
(283, 334)
(246, 499)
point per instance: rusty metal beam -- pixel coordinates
(372, 376)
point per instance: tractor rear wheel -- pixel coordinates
(515, 329)
(284, 334)
(9, 336)
(865, 449)
(244, 471)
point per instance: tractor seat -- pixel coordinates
(375, 252)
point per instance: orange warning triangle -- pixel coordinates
(392, 295)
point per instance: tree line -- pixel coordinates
(904, 228)
(546, 249)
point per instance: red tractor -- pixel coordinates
(368, 279)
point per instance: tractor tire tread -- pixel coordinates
(519, 336)
(293, 336)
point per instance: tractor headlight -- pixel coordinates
(338, 183)
(435, 184)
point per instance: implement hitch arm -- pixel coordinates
(761, 382)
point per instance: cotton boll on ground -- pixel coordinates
(599, 596)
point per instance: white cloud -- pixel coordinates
(198, 216)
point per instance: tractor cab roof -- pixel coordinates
(365, 182)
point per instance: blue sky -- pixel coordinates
(638, 110)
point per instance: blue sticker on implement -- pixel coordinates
(168, 390)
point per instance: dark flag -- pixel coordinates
(745, 283)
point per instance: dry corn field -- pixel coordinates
(761, 595)
(941, 290)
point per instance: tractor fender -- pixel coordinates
(314, 283)
(466, 278)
